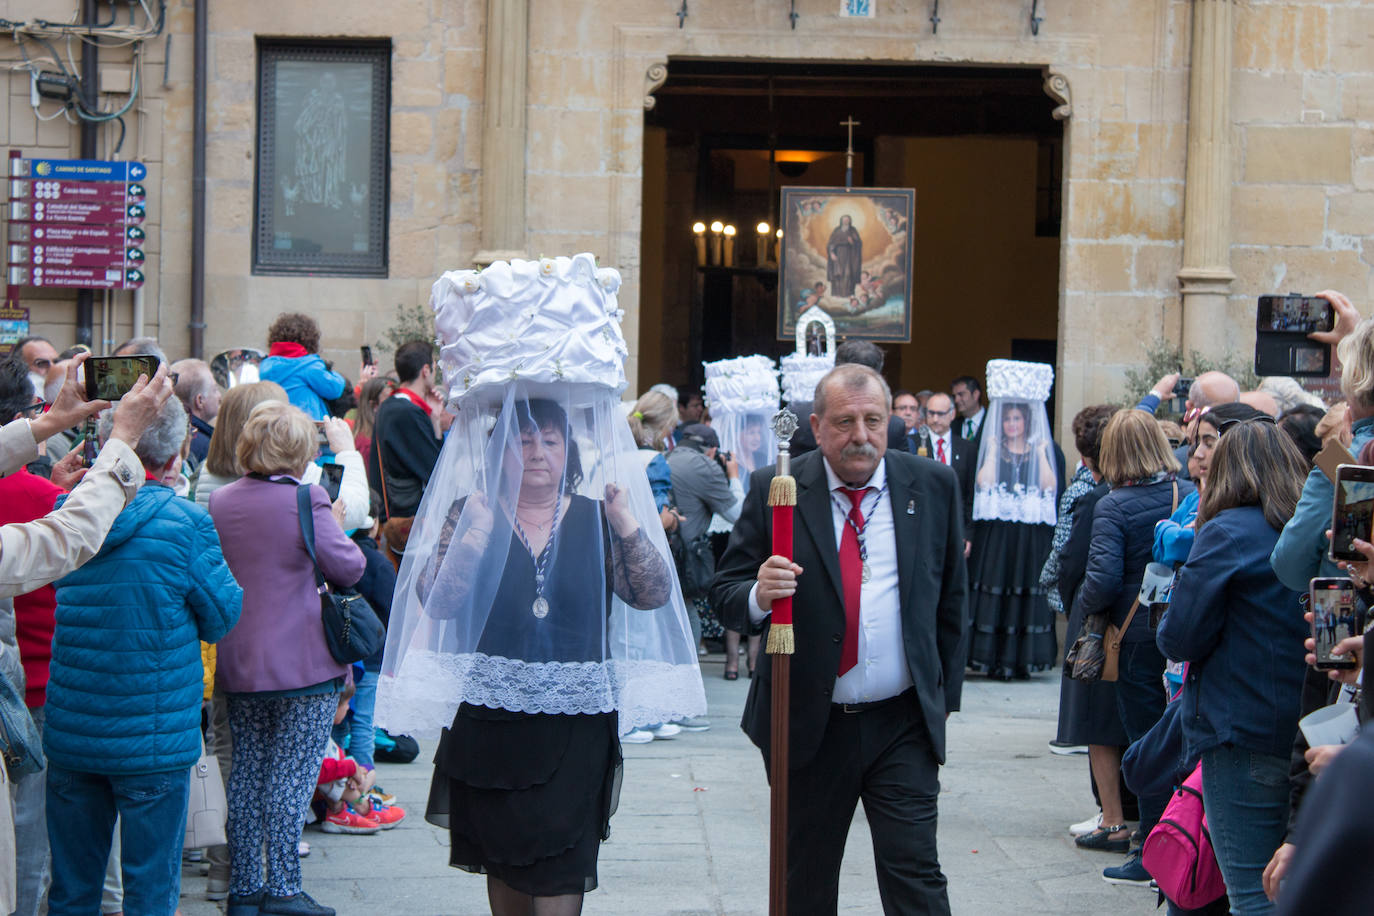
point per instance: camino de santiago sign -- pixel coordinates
(76, 223)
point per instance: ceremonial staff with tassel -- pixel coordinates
(856, 553)
(782, 497)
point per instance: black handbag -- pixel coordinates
(351, 628)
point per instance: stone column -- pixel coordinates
(504, 109)
(1206, 275)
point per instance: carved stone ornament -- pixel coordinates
(654, 77)
(1057, 87)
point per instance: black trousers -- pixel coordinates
(882, 756)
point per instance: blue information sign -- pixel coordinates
(78, 169)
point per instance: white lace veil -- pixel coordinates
(742, 394)
(1016, 480)
(590, 623)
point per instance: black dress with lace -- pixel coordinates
(528, 797)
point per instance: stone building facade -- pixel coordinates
(1213, 150)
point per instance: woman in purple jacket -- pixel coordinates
(274, 667)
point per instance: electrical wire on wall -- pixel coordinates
(56, 80)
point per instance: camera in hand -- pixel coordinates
(1282, 346)
(1334, 617)
(1352, 512)
(109, 378)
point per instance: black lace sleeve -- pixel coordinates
(457, 569)
(637, 571)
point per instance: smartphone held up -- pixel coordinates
(1282, 326)
(1352, 511)
(1334, 618)
(109, 378)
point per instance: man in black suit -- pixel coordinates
(953, 453)
(968, 400)
(879, 592)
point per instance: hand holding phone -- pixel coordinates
(1284, 330)
(1352, 511)
(1334, 619)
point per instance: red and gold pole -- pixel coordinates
(782, 496)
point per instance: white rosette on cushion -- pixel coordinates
(594, 621)
(1016, 479)
(742, 395)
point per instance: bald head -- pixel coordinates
(1213, 388)
(1262, 401)
(197, 389)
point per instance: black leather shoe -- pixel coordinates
(301, 904)
(244, 904)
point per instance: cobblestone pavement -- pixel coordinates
(691, 834)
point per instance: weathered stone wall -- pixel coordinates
(1303, 147)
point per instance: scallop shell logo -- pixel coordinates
(43, 168)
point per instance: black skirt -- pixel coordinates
(527, 797)
(1087, 711)
(1010, 622)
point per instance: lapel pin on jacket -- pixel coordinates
(911, 507)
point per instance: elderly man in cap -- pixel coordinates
(705, 483)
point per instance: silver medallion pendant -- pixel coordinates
(540, 607)
(867, 573)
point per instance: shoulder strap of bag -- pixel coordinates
(307, 520)
(381, 468)
(1126, 625)
(1174, 508)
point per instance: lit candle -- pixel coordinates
(716, 228)
(762, 240)
(729, 246)
(777, 246)
(699, 238)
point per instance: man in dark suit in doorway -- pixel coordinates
(879, 593)
(968, 400)
(953, 453)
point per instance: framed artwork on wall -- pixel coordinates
(848, 252)
(321, 188)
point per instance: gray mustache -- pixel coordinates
(859, 451)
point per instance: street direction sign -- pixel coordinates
(76, 255)
(78, 277)
(76, 211)
(100, 191)
(65, 234)
(78, 169)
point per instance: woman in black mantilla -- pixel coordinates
(536, 615)
(1011, 625)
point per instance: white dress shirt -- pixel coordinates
(882, 670)
(977, 419)
(948, 440)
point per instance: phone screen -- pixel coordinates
(1334, 618)
(367, 355)
(109, 378)
(332, 479)
(1295, 314)
(1353, 511)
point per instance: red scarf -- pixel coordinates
(288, 349)
(413, 398)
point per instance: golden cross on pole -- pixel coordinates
(849, 123)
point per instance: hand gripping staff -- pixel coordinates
(782, 496)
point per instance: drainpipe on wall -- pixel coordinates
(197, 323)
(90, 79)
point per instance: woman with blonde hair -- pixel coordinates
(275, 669)
(1141, 469)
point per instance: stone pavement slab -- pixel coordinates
(691, 833)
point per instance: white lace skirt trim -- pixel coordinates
(1031, 507)
(423, 696)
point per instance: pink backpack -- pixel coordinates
(1178, 852)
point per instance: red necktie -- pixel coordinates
(851, 572)
(940, 450)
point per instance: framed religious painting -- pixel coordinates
(321, 187)
(848, 252)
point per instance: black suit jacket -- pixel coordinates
(958, 429)
(930, 573)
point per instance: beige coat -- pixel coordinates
(35, 553)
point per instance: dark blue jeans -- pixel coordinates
(1140, 702)
(1245, 795)
(81, 810)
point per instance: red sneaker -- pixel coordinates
(346, 820)
(387, 816)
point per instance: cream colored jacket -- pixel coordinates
(35, 553)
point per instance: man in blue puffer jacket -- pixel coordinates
(124, 695)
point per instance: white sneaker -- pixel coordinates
(638, 736)
(693, 724)
(666, 730)
(1083, 828)
(1066, 750)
